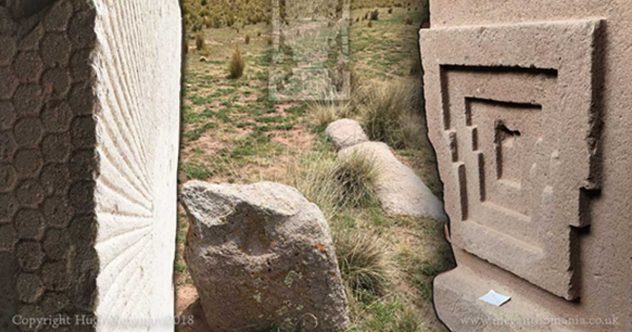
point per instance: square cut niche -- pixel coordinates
(504, 145)
(511, 114)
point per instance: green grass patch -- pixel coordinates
(195, 134)
(388, 273)
(199, 100)
(195, 171)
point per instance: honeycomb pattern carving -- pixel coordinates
(47, 146)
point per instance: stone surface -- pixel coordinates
(261, 256)
(192, 319)
(345, 133)
(528, 111)
(399, 190)
(519, 156)
(89, 104)
(22, 8)
(457, 295)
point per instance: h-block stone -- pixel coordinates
(528, 111)
(89, 125)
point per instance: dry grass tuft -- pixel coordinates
(312, 176)
(325, 112)
(335, 184)
(356, 175)
(391, 112)
(363, 262)
(236, 65)
(375, 15)
(200, 45)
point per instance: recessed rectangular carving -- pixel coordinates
(519, 114)
(507, 144)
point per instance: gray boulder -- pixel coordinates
(345, 133)
(261, 256)
(399, 189)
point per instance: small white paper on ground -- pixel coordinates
(494, 298)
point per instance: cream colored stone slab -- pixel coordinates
(137, 61)
(511, 114)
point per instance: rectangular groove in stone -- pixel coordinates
(501, 102)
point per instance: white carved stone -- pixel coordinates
(137, 66)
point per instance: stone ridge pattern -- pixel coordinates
(47, 160)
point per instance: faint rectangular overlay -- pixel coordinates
(310, 59)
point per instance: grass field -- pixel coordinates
(232, 132)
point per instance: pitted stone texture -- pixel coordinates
(345, 133)
(399, 190)
(64, 164)
(261, 256)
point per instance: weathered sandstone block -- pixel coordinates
(528, 110)
(399, 190)
(261, 256)
(345, 133)
(89, 99)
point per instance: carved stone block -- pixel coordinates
(528, 110)
(517, 115)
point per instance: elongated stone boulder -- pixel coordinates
(399, 190)
(89, 125)
(261, 256)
